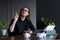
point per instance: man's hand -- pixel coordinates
(16, 16)
(30, 32)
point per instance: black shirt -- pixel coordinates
(20, 27)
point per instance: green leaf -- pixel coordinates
(3, 24)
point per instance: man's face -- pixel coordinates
(25, 12)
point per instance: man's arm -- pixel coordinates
(12, 26)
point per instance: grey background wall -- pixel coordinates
(3, 10)
(8, 8)
(50, 9)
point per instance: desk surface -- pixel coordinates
(22, 38)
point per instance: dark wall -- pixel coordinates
(8, 8)
(3, 10)
(50, 9)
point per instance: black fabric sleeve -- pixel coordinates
(11, 22)
(10, 33)
(31, 26)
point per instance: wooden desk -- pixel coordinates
(18, 38)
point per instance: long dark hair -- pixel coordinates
(27, 17)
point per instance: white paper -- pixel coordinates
(27, 35)
(50, 27)
(41, 35)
